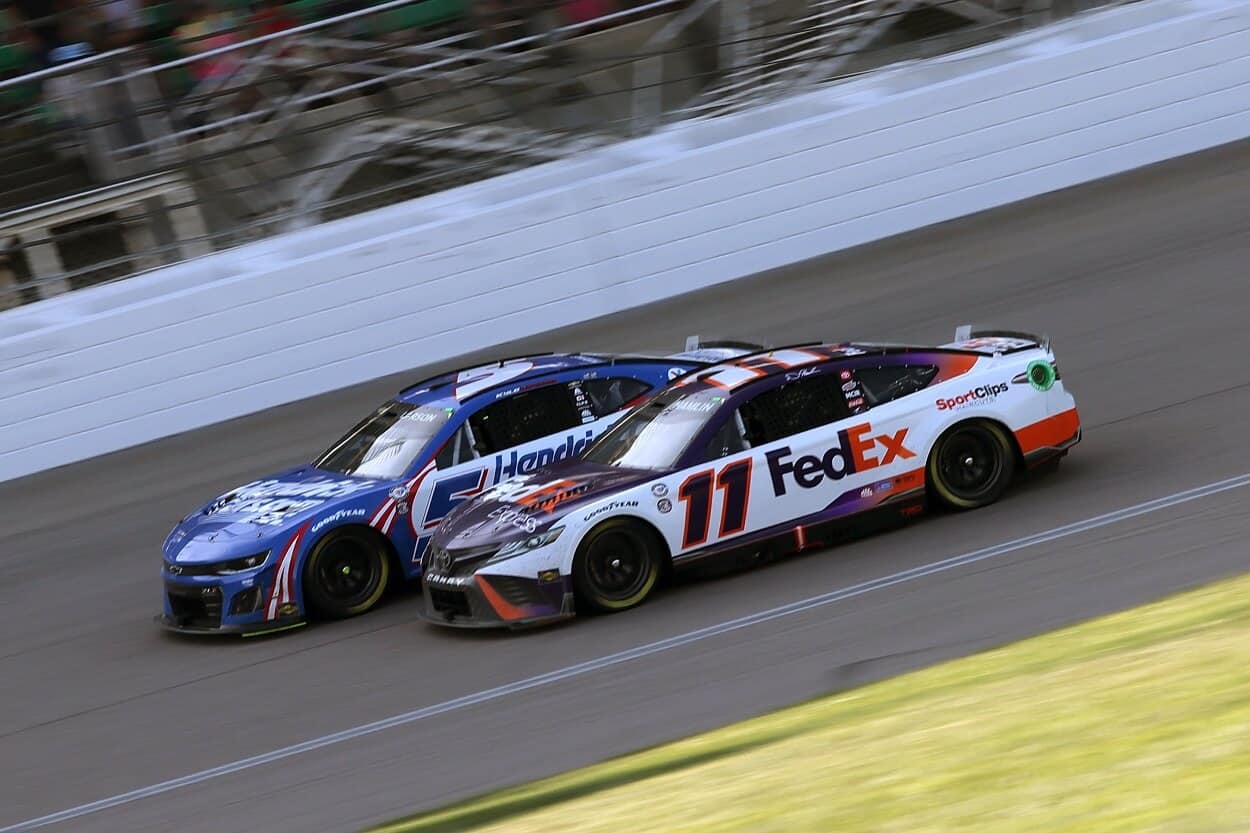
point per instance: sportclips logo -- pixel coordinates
(856, 451)
(976, 396)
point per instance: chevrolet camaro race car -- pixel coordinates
(762, 455)
(325, 538)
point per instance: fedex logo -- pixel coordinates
(856, 451)
(972, 397)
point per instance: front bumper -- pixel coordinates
(253, 629)
(494, 601)
(212, 606)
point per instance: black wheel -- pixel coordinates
(971, 465)
(616, 567)
(346, 574)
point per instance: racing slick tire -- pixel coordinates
(971, 465)
(617, 565)
(346, 574)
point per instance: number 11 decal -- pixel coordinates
(696, 493)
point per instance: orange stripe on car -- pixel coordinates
(506, 610)
(1050, 432)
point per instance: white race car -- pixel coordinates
(763, 454)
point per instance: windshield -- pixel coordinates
(385, 444)
(654, 435)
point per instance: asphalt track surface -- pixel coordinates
(1142, 281)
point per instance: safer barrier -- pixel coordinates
(699, 204)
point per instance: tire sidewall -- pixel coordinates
(318, 602)
(1007, 457)
(585, 594)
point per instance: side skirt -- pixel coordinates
(810, 534)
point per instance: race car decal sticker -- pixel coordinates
(341, 515)
(541, 497)
(283, 591)
(1041, 374)
(549, 497)
(851, 454)
(478, 379)
(696, 493)
(981, 395)
(385, 515)
(519, 463)
(735, 375)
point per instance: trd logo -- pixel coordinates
(973, 396)
(853, 453)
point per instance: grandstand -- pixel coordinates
(136, 133)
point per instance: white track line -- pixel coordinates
(634, 653)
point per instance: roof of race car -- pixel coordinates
(752, 367)
(452, 388)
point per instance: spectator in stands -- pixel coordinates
(37, 20)
(271, 17)
(22, 51)
(121, 22)
(581, 11)
(209, 28)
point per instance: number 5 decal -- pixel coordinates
(447, 494)
(696, 493)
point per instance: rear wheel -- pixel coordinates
(617, 566)
(971, 465)
(346, 574)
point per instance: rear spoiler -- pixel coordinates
(997, 342)
(715, 352)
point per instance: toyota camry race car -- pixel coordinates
(762, 455)
(325, 538)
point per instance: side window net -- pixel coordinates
(456, 450)
(793, 408)
(730, 439)
(886, 383)
(607, 396)
(523, 418)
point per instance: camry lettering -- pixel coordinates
(856, 451)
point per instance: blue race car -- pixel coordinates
(325, 539)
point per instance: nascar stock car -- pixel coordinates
(763, 455)
(326, 538)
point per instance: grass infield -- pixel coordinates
(1134, 722)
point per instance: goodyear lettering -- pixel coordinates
(608, 507)
(525, 463)
(341, 515)
(856, 451)
(973, 396)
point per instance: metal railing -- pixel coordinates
(327, 118)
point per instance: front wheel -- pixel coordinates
(617, 566)
(971, 465)
(346, 574)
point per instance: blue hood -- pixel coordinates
(244, 520)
